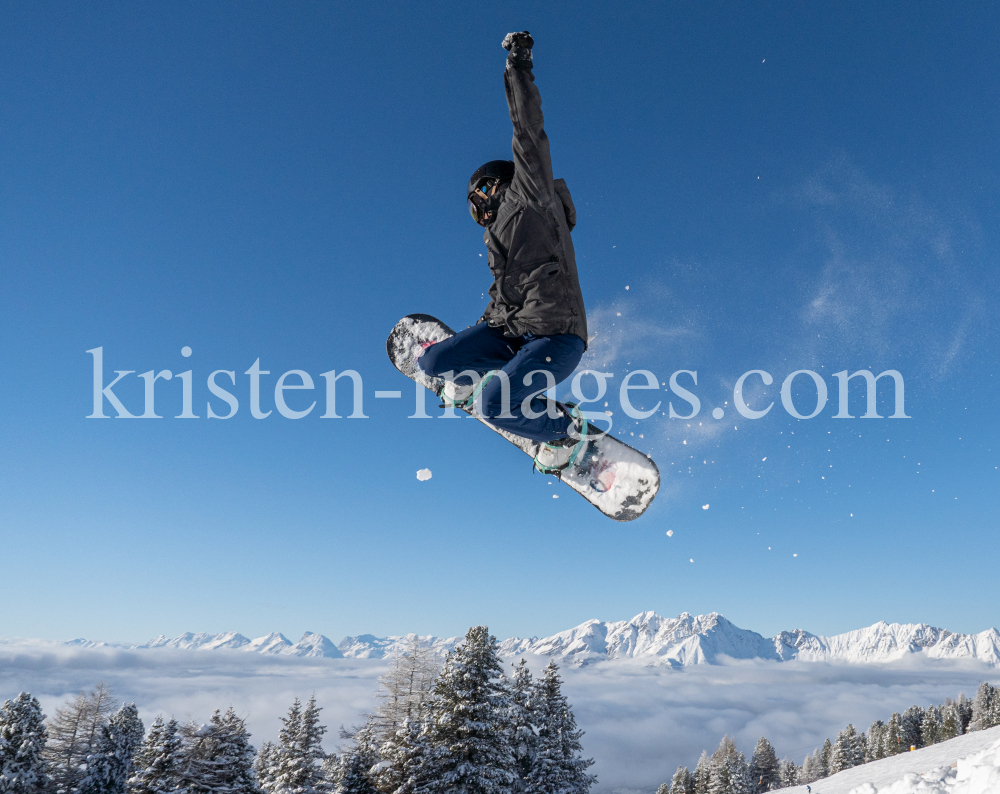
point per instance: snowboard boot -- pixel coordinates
(556, 456)
(454, 395)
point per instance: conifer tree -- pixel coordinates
(824, 756)
(22, 742)
(931, 726)
(847, 752)
(557, 766)
(875, 744)
(720, 778)
(985, 708)
(468, 726)
(764, 766)
(406, 761)
(812, 768)
(109, 767)
(788, 773)
(678, 784)
(352, 777)
(405, 688)
(73, 734)
(951, 722)
(893, 737)
(524, 715)
(294, 763)
(157, 762)
(909, 727)
(964, 708)
(219, 758)
(740, 780)
(264, 764)
(702, 774)
(362, 756)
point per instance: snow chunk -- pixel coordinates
(704, 507)
(670, 533)
(424, 474)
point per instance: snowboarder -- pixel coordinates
(534, 330)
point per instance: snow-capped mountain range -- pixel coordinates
(675, 642)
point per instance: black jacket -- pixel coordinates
(536, 288)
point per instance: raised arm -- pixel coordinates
(532, 161)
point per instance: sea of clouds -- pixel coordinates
(640, 721)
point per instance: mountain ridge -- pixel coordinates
(674, 642)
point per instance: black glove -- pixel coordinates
(520, 40)
(520, 45)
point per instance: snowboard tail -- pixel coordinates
(618, 480)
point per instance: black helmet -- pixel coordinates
(483, 201)
(501, 170)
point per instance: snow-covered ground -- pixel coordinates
(967, 764)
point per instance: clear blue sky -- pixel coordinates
(781, 187)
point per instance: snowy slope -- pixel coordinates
(676, 642)
(976, 757)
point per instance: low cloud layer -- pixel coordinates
(640, 722)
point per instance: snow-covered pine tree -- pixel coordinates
(845, 751)
(812, 768)
(824, 756)
(720, 780)
(523, 719)
(22, 742)
(678, 784)
(557, 765)
(296, 759)
(985, 708)
(875, 743)
(964, 708)
(740, 780)
(702, 774)
(909, 727)
(860, 742)
(352, 773)
(951, 722)
(263, 766)
(718, 777)
(468, 726)
(218, 757)
(406, 761)
(362, 755)
(764, 766)
(788, 773)
(109, 766)
(892, 743)
(156, 766)
(931, 727)
(73, 734)
(234, 756)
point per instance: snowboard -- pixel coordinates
(615, 478)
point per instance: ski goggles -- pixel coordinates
(479, 199)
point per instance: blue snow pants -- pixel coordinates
(482, 348)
